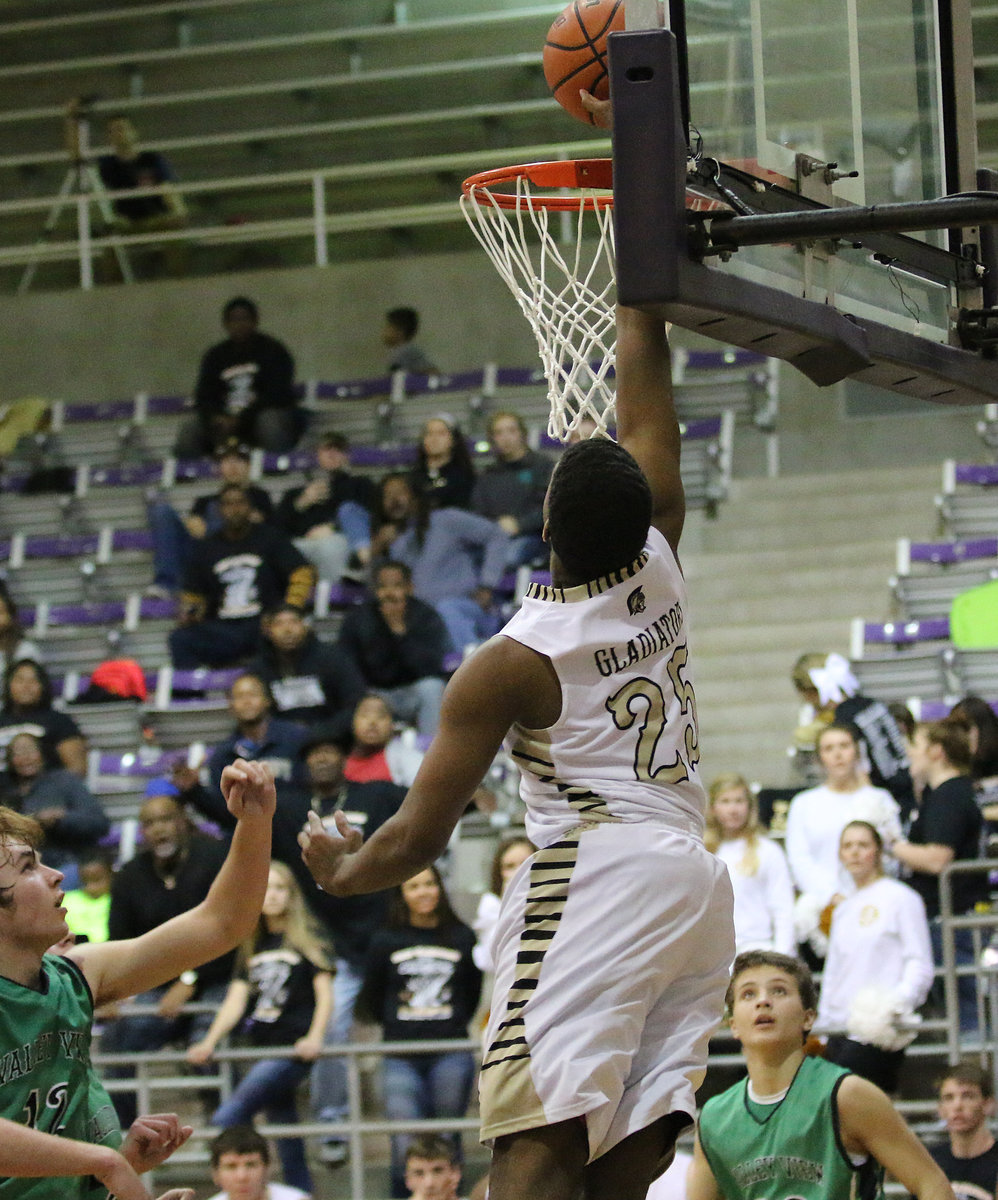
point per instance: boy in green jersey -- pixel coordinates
(59, 1134)
(798, 1128)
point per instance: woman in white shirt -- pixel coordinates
(879, 965)
(760, 877)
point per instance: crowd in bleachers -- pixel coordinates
(313, 627)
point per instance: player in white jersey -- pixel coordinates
(614, 939)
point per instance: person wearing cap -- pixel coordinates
(171, 874)
(350, 921)
(174, 537)
(245, 389)
(329, 518)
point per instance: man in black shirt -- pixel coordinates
(399, 643)
(171, 874)
(245, 389)
(969, 1159)
(234, 576)
(511, 491)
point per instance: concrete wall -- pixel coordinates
(114, 341)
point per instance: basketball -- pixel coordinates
(575, 52)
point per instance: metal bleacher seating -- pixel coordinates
(931, 574)
(968, 503)
(896, 660)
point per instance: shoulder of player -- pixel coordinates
(503, 675)
(861, 1106)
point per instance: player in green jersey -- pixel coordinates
(798, 1128)
(59, 1136)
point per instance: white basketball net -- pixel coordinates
(560, 267)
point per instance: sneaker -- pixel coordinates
(334, 1154)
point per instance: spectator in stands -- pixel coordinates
(14, 646)
(245, 389)
(432, 1168)
(88, 907)
(969, 1156)
(760, 877)
(510, 854)
(310, 680)
(983, 725)
(443, 472)
(511, 491)
(456, 558)
(377, 752)
(879, 966)
(174, 536)
(830, 692)
(128, 167)
(234, 576)
(399, 643)
(398, 334)
(421, 983)
(815, 822)
(282, 981)
(27, 708)
(240, 1166)
(171, 874)
(68, 812)
(258, 735)
(330, 516)
(947, 828)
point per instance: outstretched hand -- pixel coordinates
(248, 787)
(601, 111)
(152, 1139)
(324, 852)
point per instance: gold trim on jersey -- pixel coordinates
(532, 752)
(507, 1089)
(586, 591)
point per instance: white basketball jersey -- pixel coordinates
(626, 746)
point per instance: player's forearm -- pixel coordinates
(30, 1154)
(230, 910)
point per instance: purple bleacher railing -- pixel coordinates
(152, 608)
(104, 410)
(104, 613)
(953, 552)
(132, 475)
(383, 456)
(981, 474)
(131, 539)
(139, 763)
(72, 546)
(354, 389)
(189, 469)
(898, 633)
(166, 406)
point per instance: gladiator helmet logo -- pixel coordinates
(636, 601)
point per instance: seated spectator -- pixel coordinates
(310, 680)
(443, 472)
(282, 987)
(456, 558)
(815, 822)
(424, 940)
(234, 576)
(128, 167)
(258, 735)
(879, 965)
(511, 491)
(88, 907)
(14, 646)
(27, 708)
(171, 874)
(377, 752)
(947, 828)
(329, 518)
(174, 536)
(400, 328)
(432, 1168)
(760, 876)
(245, 390)
(510, 854)
(68, 812)
(240, 1167)
(398, 643)
(969, 1156)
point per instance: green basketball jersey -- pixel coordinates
(785, 1151)
(46, 1079)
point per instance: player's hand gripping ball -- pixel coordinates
(575, 52)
